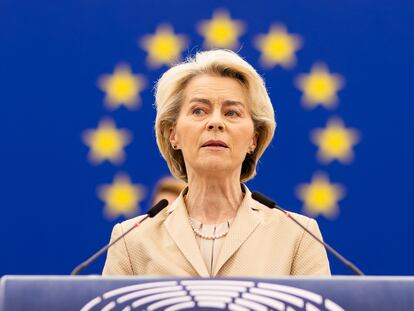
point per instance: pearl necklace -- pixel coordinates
(208, 237)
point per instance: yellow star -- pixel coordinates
(121, 197)
(335, 141)
(278, 47)
(320, 196)
(122, 87)
(319, 87)
(221, 31)
(164, 47)
(106, 142)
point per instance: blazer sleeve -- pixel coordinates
(117, 259)
(310, 257)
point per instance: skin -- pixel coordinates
(214, 108)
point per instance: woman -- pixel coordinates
(214, 121)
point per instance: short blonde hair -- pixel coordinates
(169, 96)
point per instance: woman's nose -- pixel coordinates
(215, 124)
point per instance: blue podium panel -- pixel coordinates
(240, 294)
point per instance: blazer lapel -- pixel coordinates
(179, 228)
(245, 222)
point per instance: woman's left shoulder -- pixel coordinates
(278, 218)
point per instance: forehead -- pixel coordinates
(215, 87)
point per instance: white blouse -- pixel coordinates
(210, 248)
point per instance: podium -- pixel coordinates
(93, 293)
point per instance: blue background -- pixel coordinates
(52, 53)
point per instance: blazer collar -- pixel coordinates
(179, 228)
(246, 221)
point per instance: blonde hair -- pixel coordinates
(168, 184)
(169, 96)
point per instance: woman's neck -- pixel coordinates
(213, 200)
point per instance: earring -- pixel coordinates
(174, 147)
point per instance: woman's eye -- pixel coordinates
(198, 111)
(232, 113)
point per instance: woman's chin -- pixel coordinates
(215, 165)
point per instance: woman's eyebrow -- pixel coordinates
(200, 100)
(227, 102)
(233, 103)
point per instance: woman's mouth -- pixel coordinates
(215, 145)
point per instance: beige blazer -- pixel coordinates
(261, 242)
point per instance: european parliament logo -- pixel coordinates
(210, 295)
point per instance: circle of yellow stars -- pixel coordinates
(278, 48)
(334, 142)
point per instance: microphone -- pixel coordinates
(151, 213)
(271, 204)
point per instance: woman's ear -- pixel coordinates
(173, 137)
(253, 143)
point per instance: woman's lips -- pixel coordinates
(215, 145)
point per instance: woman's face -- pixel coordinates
(214, 129)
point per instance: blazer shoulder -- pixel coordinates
(132, 221)
(146, 224)
(278, 219)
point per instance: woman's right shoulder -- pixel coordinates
(130, 222)
(146, 222)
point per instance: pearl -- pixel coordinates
(208, 237)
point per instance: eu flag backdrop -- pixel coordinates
(78, 151)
